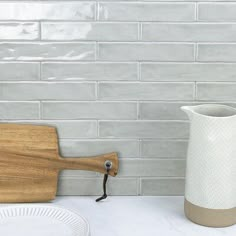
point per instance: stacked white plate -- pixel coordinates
(41, 220)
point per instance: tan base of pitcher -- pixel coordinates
(210, 217)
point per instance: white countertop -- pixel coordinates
(138, 216)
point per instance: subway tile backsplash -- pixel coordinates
(89, 110)
(47, 10)
(47, 91)
(188, 72)
(19, 30)
(96, 71)
(144, 129)
(145, 52)
(146, 11)
(189, 32)
(222, 11)
(19, 71)
(112, 76)
(217, 52)
(94, 31)
(145, 91)
(41, 51)
(127, 148)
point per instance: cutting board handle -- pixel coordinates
(96, 163)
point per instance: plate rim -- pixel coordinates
(54, 206)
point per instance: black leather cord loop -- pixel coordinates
(104, 196)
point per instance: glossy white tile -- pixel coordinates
(89, 110)
(25, 91)
(90, 31)
(124, 147)
(188, 71)
(19, 110)
(47, 10)
(146, 11)
(145, 91)
(189, 32)
(97, 71)
(145, 52)
(32, 51)
(144, 129)
(19, 31)
(19, 71)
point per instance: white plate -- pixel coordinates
(41, 220)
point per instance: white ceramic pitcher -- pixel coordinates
(210, 189)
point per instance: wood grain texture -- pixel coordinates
(30, 163)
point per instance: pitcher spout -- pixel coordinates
(188, 110)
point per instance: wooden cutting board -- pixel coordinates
(30, 163)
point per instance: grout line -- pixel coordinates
(140, 148)
(40, 110)
(95, 50)
(96, 91)
(112, 41)
(139, 70)
(115, 62)
(97, 124)
(97, 47)
(110, 120)
(190, 101)
(233, 21)
(132, 102)
(92, 41)
(40, 71)
(124, 22)
(196, 92)
(98, 129)
(97, 11)
(138, 110)
(40, 30)
(140, 29)
(131, 1)
(196, 12)
(196, 52)
(48, 82)
(104, 82)
(139, 188)
(163, 177)
(114, 139)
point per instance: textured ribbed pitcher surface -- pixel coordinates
(210, 190)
